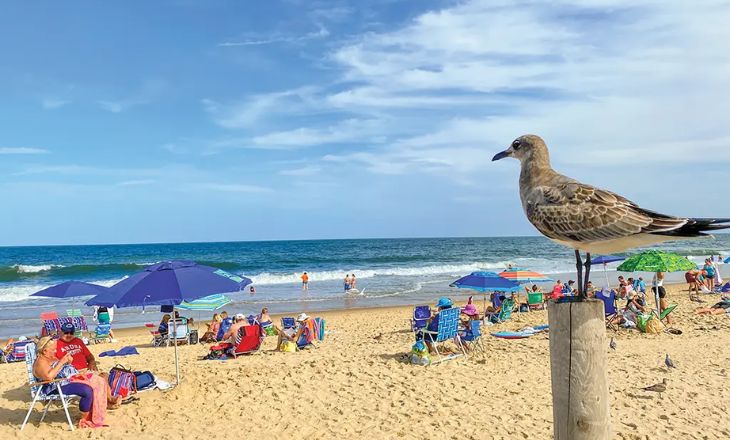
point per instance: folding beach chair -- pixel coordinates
(77, 319)
(51, 324)
(421, 315)
(288, 323)
(157, 338)
(179, 331)
(39, 394)
(505, 313)
(609, 305)
(448, 325)
(17, 352)
(102, 333)
(472, 337)
(248, 339)
(535, 301)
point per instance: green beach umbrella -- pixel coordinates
(656, 261)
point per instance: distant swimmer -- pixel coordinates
(305, 281)
(252, 290)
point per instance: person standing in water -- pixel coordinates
(348, 282)
(305, 281)
(353, 282)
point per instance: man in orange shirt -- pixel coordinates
(305, 281)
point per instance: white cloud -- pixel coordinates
(22, 150)
(148, 92)
(320, 33)
(141, 182)
(231, 187)
(53, 103)
(307, 171)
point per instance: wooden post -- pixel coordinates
(578, 370)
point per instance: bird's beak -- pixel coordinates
(502, 155)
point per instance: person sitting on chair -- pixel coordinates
(433, 322)
(302, 336)
(213, 326)
(68, 343)
(164, 325)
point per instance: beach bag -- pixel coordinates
(653, 326)
(144, 380)
(419, 354)
(288, 347)
(122, 381)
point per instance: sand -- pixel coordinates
(357, 384)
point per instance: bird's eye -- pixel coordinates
(516, 145)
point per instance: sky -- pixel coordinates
(183, 120)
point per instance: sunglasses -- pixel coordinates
(69, 333)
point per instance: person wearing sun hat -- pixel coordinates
(433, 322)
(470, 310)
(302, 337)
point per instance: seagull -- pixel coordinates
(590, 219)
(612, 344)
(658, 388)
(668, 362)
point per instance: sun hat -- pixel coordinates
(444, 302)
(68, 327)
(470, 310)
(22, 338)
(302, 317)
(240, 316)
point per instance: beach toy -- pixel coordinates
(512, 335)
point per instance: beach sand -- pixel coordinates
(355, 386)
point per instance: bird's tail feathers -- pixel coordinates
(698, 227)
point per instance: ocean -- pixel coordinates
(389, 271)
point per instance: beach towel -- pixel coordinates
(95, 417)
(124, 351)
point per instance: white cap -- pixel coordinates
(22, 338)
(302, 317)
(240, 316)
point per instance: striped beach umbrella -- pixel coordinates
(210, 302)
(523, 276)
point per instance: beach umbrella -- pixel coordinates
(170, 283)
(727, 260)
(486, 282)
(523, 276)
(605, 259)
(209, 303)
(72, 289)
(206, 303)
(656, 261)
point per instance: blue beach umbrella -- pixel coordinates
(605, 259)
(486, 282)
(170, 283)
(72, 289)
(727, 260)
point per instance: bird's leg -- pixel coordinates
(579, 266)
(588, 274)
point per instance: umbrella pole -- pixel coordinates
(174, 341)
(605, 272)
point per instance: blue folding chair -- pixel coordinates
(448, 327)
(609, 304)
(421, 315)
(288, 323)
(472, 337)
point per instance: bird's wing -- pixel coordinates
(570, 210)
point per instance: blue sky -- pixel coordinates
(192, 121)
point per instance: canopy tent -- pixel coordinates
(170, 283)
(486, 282)
(206, 303)
(656, 261)
(605, 259)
